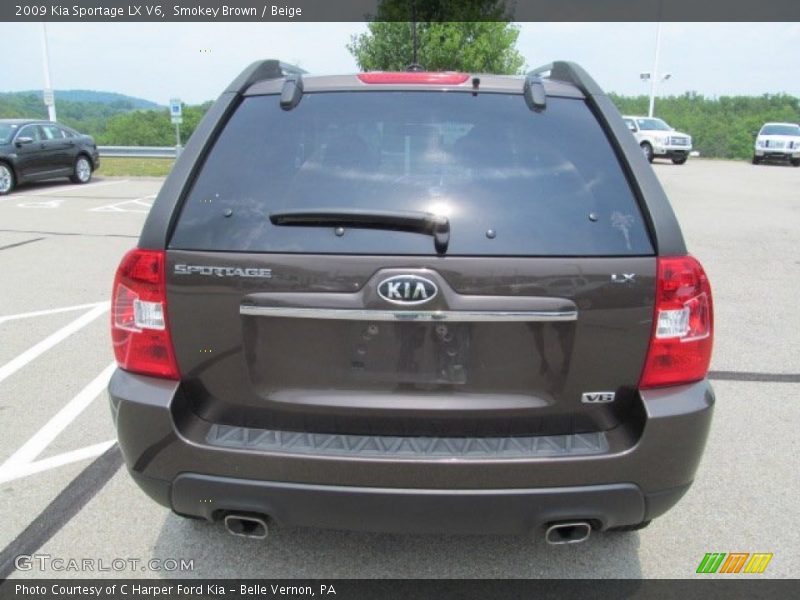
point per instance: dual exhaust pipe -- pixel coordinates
(568, 533)
(247, 525)
(255, 527)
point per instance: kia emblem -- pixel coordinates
(407, 289)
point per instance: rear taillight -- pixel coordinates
(422, 77)
(139, 325)
(683, 328)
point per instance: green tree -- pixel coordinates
(150, 127)
(723, 127)
(471, 46)
(443, 11)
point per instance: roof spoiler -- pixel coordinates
(263, 70)
(569, 72)
(533, 90)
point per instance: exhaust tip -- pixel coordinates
(568, 533)
(248, 526)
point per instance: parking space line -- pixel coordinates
(78, 186)
(18, 244)
(49, 311)
(52, 202)
(72, 233)
(754, 376)
(13, 472)
(64, 507)
(28, 452)
(33, 352)
(136, 206)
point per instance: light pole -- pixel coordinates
(49, 96)
(654, 72)
(647, 76)
(653, 76)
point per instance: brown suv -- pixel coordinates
(424, 302)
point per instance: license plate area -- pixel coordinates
(410, 353)
(528, 358)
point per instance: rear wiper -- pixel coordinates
(415, 221)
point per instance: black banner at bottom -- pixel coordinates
(440, 589)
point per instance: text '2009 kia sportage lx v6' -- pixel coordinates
(422, 302)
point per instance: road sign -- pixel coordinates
(49, 98)
(176, 113)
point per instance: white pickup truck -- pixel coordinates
(778, 141)
(659, 140)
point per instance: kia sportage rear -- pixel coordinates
(422, 302)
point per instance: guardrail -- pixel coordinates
(139, 151)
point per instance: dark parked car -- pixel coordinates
(38, 150)
(423, 302)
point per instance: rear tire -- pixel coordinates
(7, 180)
(82, 171)
(680, 161)
(756, 160)
(636, 527)
(648, 151)
(795, 162)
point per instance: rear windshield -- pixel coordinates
(511, 181)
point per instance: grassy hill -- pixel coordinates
(114, 99)
(86, 110)
(111, 98)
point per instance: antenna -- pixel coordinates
(414, 66)
(414, 31)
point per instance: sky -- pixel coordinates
(196, 61)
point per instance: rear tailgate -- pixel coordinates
(536, 317)
(378, 368)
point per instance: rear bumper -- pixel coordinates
(640, 472)
(413, 511)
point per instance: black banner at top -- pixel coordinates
(398, 10)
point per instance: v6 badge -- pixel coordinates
(597, 397)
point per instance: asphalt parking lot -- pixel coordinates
(59, 248)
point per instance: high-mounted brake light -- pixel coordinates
(421, 77)
(683, 328)
(139, 326)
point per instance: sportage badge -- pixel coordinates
(407, 289)
(223, 271)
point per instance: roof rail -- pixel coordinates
(262, 70)
(569, 72)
